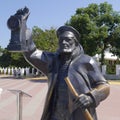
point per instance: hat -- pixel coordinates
(63, 29)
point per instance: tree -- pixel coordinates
(45, 40)
(115, 49)
(5, 59)
(97, 25)
(12, 59)
(18, 60)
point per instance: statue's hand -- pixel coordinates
(30, 44)
(24, 13)
(83, 101)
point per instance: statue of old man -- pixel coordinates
(69, 61)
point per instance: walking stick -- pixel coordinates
(72, 89)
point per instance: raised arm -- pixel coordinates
(21, 41)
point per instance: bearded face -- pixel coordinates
(67, 42)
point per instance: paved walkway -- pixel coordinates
(33, 106)
(110, 108)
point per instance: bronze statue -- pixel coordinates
(69, 61)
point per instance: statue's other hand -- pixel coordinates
(83, 101)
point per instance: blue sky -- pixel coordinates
(43, 13)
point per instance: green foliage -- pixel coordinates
(116, 43)
(5, 59)
(45, 40)
(98, 26)
(18, 60)
(111, 66)
(111, 69)
(12, 59)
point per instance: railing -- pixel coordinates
(19, 72)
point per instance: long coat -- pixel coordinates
(83, 73)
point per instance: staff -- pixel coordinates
(70, 86)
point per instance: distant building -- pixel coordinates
(110, 57)
(111, 62)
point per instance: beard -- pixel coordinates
(66, 50)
